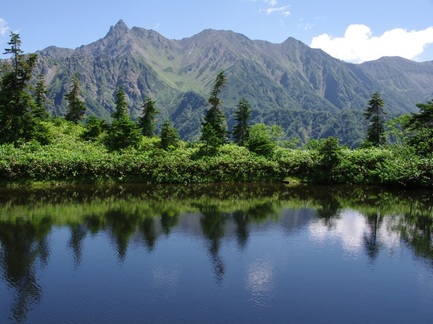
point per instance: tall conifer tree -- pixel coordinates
(121, 110)
(76, 107)
(375, 115)
(40, 95)
(17, 121)
(242, 129)
(169, 135)
(214, 128)
(122, 132)
(147, 120)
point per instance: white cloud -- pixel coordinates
(284, 10)
(305, 25)
(3, 27)
(359, 45)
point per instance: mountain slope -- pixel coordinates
(409, 82)
(304, 90)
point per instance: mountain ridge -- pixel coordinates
(289, 84)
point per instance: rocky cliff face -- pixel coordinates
(304, 90)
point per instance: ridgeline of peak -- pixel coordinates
(118, 29)
(306, 91)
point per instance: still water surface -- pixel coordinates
(216, 254)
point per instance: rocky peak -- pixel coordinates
(119, 29)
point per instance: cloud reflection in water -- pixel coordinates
(259, 281)
(351, 229)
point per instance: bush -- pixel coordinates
(260, 140)
(122, 133)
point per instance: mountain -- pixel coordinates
(306, 91)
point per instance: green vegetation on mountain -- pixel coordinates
(305, 91)
(118, 151)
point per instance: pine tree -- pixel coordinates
(420, 126)
(375, 114)
(121, 109)
(147, 120)
(122, 132)
(93, 128)
(214, 128)
(17, 121)
(169, 135)
(424, 118)
(40, 95)
(242, 129)
(76, 108)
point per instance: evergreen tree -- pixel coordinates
(169, 135)
(420, 127)
(424, 119)
(17, 121)
(210, 139)
(122, 132)
(329, 157)
(242, 129)
(40, 95)
(214, 128)
(76, 108)
(375, 115)
(121, 109)
(93, 128)
(147, 120)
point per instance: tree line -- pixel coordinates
(23, 112)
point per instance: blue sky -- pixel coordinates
(354, 31)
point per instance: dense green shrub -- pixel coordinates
(71, 159)
(122, 133)
(260, 140)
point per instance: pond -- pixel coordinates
(249, 253)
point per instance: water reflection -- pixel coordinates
(363, 221)
(213, 225)
(24, 251)
(77, 234)
(371, 240)
(349, 230)
(357, 232)
(260, 281)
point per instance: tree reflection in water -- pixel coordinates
(213, 224)
(134, 217)
(149, 232)
(122, 226)
(78, 233)
(23, 243)
(371, 242)
(241, 219)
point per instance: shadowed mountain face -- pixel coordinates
(306, 91)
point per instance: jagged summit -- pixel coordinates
(118, 29)
(304, 90)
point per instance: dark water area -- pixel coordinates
(249, 253)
